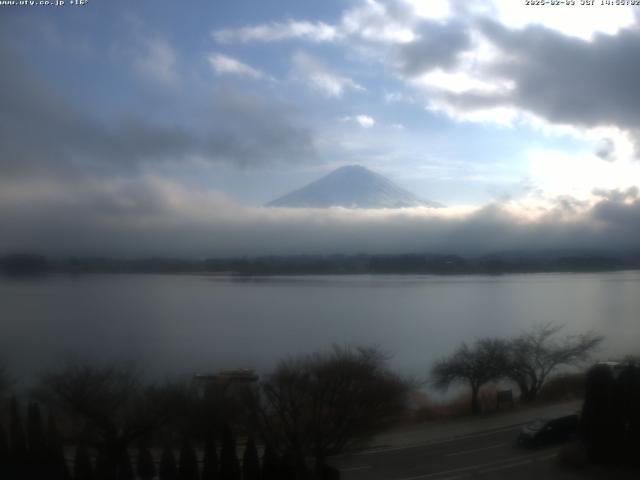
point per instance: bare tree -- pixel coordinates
(318, 405)
(535, 354)
(476, 365)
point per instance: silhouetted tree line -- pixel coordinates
(29, 264)
(24, 264)
(116, 427)
(35, 451)
(526, 360)
(610, 421)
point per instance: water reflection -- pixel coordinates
(177, 324)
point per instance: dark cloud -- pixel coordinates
(606, 150)
(245, 129)
(617, 195)
(567, 205)
(41, 130)
(619, 213)
(563, 79)
(571, 80)
(438, 45)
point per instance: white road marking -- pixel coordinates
(375, 451)
(506, 466)
(473, 450)
(353, 469)
(495, 463)
(517, 464)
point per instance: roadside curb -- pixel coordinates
(389, 448)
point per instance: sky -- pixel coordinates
(163, 127)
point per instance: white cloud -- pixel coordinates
(462, 81)
(578, 175)
(397, 21)
(317, 76)
(157, 61)
(375, 21)
(432, 10)
(503, 116)
(398, 97)
(276, 31)
(225, 65)
(575, 20)
(365, 121)
(581, 21)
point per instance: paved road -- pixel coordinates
(489, 455)
(446, 429)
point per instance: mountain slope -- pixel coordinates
(352, 186)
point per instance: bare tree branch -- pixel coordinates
(536, 353)
(320, 404)
(485, 361)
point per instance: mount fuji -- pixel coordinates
(352, 186)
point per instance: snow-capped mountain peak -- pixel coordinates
(352, 186)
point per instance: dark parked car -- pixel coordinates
(541, 432)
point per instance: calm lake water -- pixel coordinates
(181, 324)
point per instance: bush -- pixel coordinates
(567, 386)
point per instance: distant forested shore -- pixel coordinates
(336, 264)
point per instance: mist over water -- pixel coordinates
(183, 324)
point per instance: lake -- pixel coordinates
(182, 324)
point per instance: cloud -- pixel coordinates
(225, 65)
(580, 21)
(379, 22)
(587, 83)
(433, 10)
(277, 31)
(558, 173)
(438, 45)
(44, 133)
(398, 97)
(245, 129)
(318, 76)
(374, 21)
(499, 61)
(150, 215)
(485, 63)
(365, 121)
(156, 61)
(487, 72)
(606, 150)
(592, 81)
